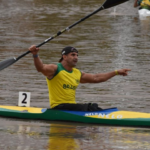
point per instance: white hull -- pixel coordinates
(144, 12)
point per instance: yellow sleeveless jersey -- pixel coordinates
(62, 87)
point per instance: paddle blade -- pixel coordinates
(112, 3)
(4, 64)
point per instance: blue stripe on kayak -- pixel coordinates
(91, 113)
(43, 110)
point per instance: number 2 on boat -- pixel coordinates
(24, 99)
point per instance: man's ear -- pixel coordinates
(64, 56)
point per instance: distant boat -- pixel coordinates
(144, 12)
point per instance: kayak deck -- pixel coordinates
(22, 109)
(110, 116)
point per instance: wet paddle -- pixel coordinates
(107, 4)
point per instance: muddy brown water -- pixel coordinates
(112, 39)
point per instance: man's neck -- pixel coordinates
(66, 66)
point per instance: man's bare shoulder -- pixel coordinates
(83, 77)
(86, 78)
(49, 70)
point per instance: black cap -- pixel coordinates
(67, 50)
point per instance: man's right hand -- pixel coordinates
(33, 49)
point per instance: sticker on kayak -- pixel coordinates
(24, 111)
(43, 110)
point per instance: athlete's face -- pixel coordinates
(72, 59)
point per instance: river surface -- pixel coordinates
(112, 39)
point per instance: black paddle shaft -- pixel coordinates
(107, 4)
(60, 32)
(71, 26)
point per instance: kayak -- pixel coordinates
(110, 116)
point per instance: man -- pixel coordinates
(63, 79)
(144, 4)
